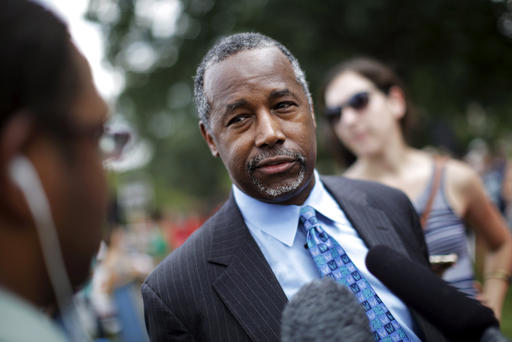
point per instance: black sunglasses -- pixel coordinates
(358, 101)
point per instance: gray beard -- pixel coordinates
(282, 189)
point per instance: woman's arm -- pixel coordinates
(482, 216)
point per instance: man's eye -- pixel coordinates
(98, 133)
(237, 120)
(284, 105)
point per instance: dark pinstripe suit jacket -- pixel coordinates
(219, 287)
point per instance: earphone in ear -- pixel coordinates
(21, 171)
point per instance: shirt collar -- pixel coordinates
(281, 221)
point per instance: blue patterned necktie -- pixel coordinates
(332, 261)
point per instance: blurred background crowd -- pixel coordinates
(455, 58)
(110, 305)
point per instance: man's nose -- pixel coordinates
(268, 129)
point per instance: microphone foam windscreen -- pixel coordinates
(459, 317)
(324, 310)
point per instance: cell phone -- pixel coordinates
(440, 263)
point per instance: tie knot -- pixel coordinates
(308, 217)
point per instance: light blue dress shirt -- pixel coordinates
(275, 229)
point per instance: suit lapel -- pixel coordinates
(247, 286)
(372, 224)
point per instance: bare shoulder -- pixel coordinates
(460, 176)
(463, 185)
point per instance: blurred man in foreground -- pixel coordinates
(53, 189)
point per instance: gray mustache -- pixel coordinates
(251, 165)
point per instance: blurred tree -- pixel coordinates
(454, 56)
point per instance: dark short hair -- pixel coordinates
(37, 70)
(229, 46)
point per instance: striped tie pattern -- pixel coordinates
(332, 261)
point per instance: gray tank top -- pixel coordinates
(445, 233)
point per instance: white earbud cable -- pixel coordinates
(24, 174)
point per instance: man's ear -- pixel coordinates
(397, 103)
(209, 139)
(14, 138)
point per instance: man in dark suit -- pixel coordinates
(232, 278)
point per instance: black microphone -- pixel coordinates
(457, 316)
(327, 311)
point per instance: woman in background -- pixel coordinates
(367, 110)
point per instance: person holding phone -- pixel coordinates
(367, 110)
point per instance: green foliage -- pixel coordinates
(506, 322)
(454, 57)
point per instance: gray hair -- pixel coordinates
(229, 46)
